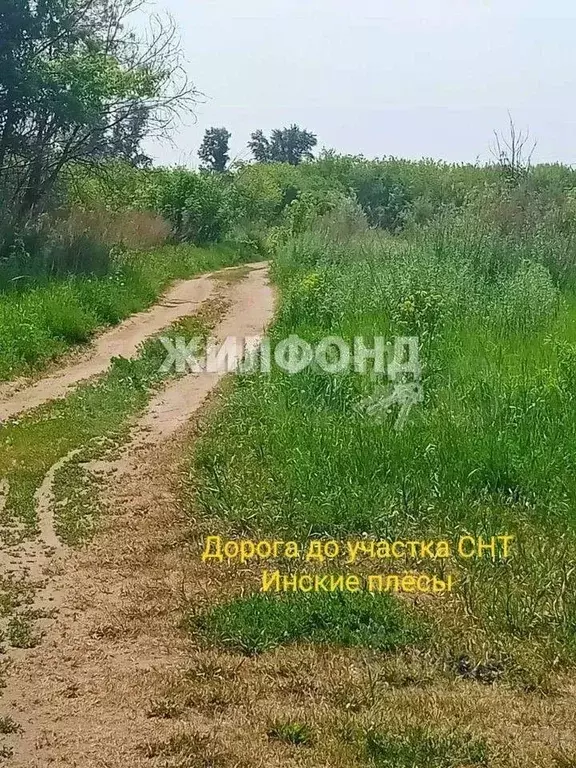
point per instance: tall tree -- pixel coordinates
(77, 86)
(260, 147)
(127, 136)
(214, 150)
(285, 145)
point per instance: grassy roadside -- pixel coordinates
(489, 452)
(40, 323)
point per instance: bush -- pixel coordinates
(195, 204)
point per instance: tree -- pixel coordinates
(214, 149)
(78, 86)
(513, 153)
(287, 145)
(260, 147)
(127, 136)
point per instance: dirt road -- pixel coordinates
(85, 695)
(184, 298)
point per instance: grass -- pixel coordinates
(32, 445)
(94, 418)
(490, 451)
(166, 709)
(20, 632)
(182, 745)
(188, 748)
(39, 323)
(428, 684)
(259, 623)
(298, 734)
(564, 760)
(16, 613)
(13, 593)
(8, 725)
(424, 748)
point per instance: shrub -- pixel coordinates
(195, 204)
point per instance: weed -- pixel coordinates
(165, 709)
(20, 632)
(424, 748)
(295, 733)
(181, 744)
(8, 725)
(487, 452)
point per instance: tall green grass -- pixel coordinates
(424, 748)
(42, 321)
(490, 451)
(259, 624)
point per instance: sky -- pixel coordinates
(407, 78)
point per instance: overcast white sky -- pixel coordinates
(411, 78)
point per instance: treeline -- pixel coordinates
(246, 202)
(118, 204)
(80, 90)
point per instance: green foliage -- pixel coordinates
(492, 299)
(115, 186)
(50, 250)
(298, 734)
(392, 194)
(475, 229)
(20, 632)
(41, 322)
(286, 145)
(196, 205)
(77, 85)
(260, 622)
(214, 149)
(206, 217)
(384, 200)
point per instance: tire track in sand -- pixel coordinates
(80, 696)
(183, 299)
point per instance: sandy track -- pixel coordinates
(81, 696)
(181, 300)
(251, 310)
